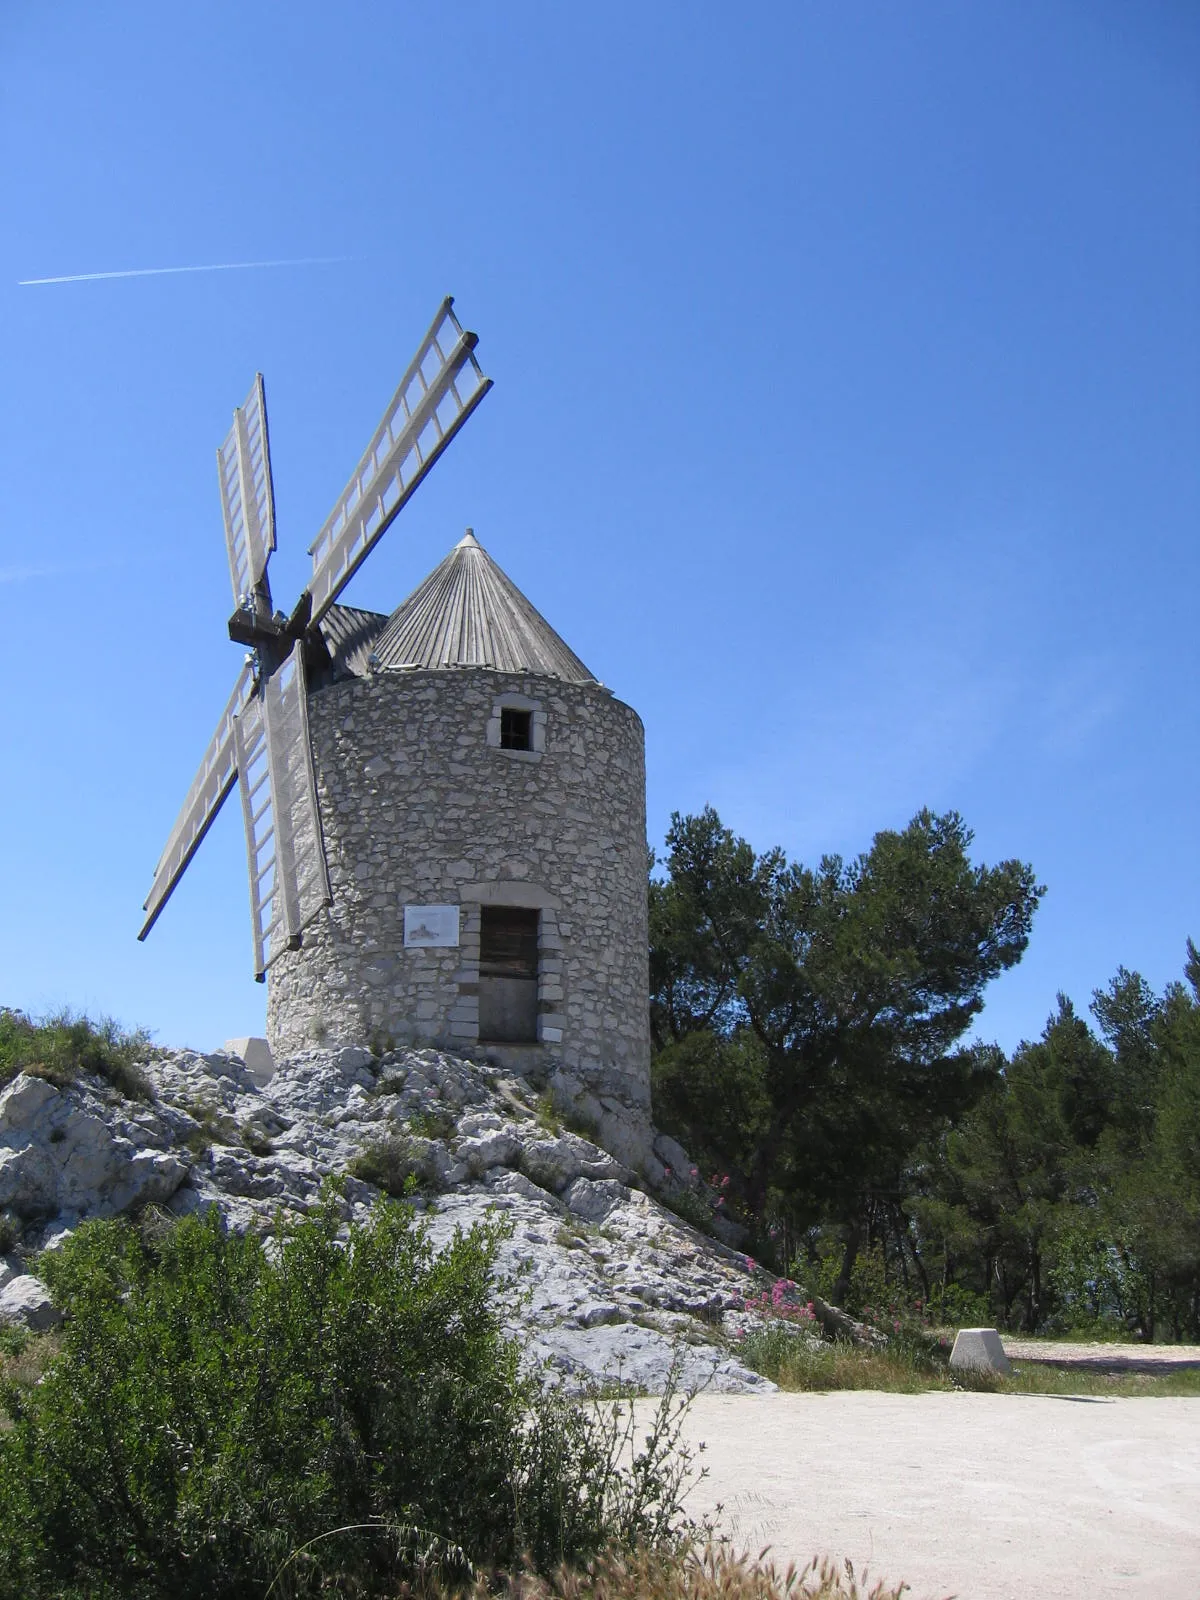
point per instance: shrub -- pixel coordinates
(63, 1045)
(340, 1412)
(397, 1165)
(431, 1122)
(688, 1205)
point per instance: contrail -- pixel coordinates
(158, 272)
(58, 570)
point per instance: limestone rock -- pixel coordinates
(80, 1151)
(25, 1302)
(593, 1200)
(596, 1277)
(23, 1098)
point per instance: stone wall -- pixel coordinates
(420, 805)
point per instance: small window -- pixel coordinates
(516, 729)
(508, 942)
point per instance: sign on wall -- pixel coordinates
(430, 926)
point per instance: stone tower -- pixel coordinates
(482, 800)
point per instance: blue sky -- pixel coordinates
(845, 423)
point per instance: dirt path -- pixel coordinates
(988, 1497)
(1105, 1357)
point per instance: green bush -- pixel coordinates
(397, 1165)
(336, 1412)
(431, 1122)
(63, 1045)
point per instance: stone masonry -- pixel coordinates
(420, 806)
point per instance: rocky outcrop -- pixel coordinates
(600, 1278)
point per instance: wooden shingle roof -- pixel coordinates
(468, 613)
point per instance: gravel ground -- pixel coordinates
(987, 1497)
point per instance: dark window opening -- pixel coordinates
(516, 729)
(508, 964)
(508, 942)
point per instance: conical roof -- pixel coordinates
(468, 613)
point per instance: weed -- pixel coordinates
(689, 1206)
(691, 1571)
(912, 1364)
(213, 1125)
(431, 1123)
(799, 1361)
(398, 1165)
(9, 1233)
(545, 1115)
(1042, 1378)
(390, 1083)
(63, 1045)
(256, 1140)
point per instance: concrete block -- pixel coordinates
(979, 1349)
(256, 1054)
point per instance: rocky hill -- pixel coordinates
(600, 1278)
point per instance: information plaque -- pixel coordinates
(430, 926)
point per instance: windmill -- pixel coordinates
(262, 739)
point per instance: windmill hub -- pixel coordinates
(444, 809)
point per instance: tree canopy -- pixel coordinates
(808, 1027)
(805, 1021)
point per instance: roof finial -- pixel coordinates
(469, 541)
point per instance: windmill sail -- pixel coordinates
(443, 385)
(262, 740)
(205, 798)
(288, 880)
(247, 494)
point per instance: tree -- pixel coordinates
(831, 1000)
(1071, 1192)
(1016, 1175)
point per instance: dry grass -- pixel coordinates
(802, 1366)
(799, 1363)
(1037, 1378)
(64, 1044)
(23, 1359)
(712, 1573)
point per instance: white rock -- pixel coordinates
(979, 1349)
(581, 1296)
(23, 1098)
(593, 1200)
(26, 1302)
(480, 1155)
(28, 1182)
